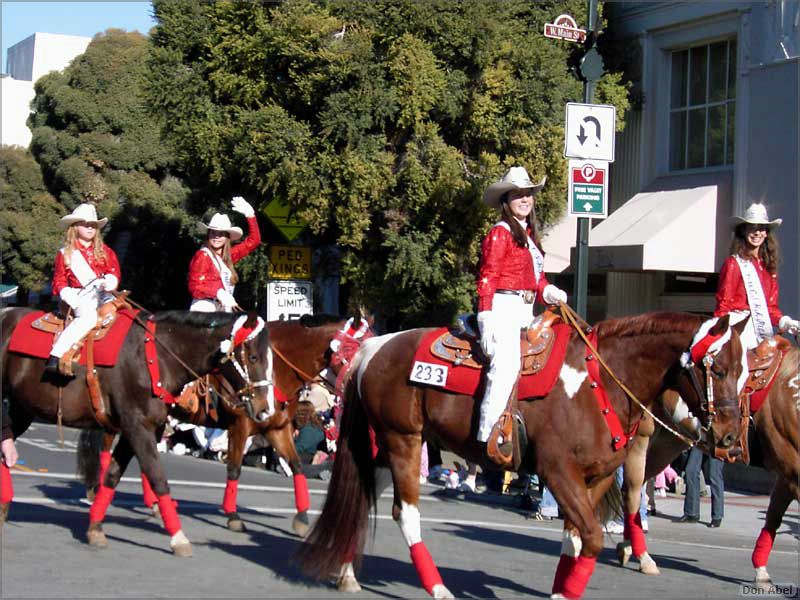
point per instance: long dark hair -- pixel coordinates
(768, 252)
(520, 236)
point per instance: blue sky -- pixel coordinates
(21, 19)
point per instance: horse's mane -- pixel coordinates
(319, 320)
(654, 323)
(201, 320)
(789, 366)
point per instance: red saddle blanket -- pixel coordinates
(465, 380)
(36, 343)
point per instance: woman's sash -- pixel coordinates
(759, 314)
(80, 268)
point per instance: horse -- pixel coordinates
(776, 429)
(195, 344)
(301, 351)
(568, 440)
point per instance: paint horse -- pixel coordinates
(568, 437)
(775, 419)
(182, 345)
(301, 350)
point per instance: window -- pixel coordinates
(702, 106)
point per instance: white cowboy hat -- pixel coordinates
(756, 214)
(84, 212)
(220, 222)
(516, 178)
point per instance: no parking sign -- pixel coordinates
(588, 188)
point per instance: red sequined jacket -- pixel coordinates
(731, 294)
(204, 278)
(63, 276)
(505, 266)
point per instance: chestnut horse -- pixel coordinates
(776, 428)
(301, 351)
(569, 443)
(194, 340)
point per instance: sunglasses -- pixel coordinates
(754, 227)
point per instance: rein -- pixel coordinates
(572, 318)
(298, 371)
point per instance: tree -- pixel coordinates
(380, 123)
(96, 141)
(29, 234)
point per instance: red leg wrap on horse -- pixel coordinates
(6, 487)
(150, 497)
(635, 533)
(579, 576)
(301, 500)
(229, 500)
(426, 569)
(565, 565)
(102, 499)
(169, 514)
(763, 547)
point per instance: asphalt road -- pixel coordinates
(484, 547)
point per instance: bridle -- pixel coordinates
(244, 394)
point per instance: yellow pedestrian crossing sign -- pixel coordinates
(278, 213)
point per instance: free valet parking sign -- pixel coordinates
(588, 188)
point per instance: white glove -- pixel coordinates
(789, 325)
(553, 295)
(110, 282)
(226, 298)
(242, 206)
(71, 296)
(487, 326)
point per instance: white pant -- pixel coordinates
(85, 320)
(511, 314)
(206, 305)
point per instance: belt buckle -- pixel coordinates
(527, 296)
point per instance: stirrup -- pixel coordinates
(499, 446)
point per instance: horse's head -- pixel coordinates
(709, 382)
(246, 364)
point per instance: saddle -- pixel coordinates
(462, 347)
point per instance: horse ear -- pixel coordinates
(720, 326)
(739, 327)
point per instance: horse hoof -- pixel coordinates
(96, 537)
(439, 591)
(765, 586)
(4, 512)
(647, 566)
(237, 525)
(182, 550)
(348, 584)
(156, 512)
(300, 524)
(624, 553)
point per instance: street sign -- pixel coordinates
(278, 213)
(588, 188)
(564, 28)
(589, 131)
(290, 299)
(289, 262)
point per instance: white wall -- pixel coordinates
(41, 53)
(16, 98)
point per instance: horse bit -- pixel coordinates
(247, 391)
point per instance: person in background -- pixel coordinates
(691, 502)
(212, 275)
(86, 270)
(511, 278)
(8, 453)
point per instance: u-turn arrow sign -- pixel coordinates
(589, 131)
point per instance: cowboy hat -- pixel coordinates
(83, 213)
(756, 214)
(516, 178)
(220, 222)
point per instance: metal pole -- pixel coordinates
(582, 243)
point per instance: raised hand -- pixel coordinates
(242, 206)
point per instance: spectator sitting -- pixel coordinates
(309, 437)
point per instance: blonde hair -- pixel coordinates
(226, 257)
(71, 237)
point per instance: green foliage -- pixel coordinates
(29, 234)
(96, 140)
(379, 122)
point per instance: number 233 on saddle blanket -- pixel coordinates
(464, 376)
(36, 343)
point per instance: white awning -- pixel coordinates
(557, 242)
(670, 228)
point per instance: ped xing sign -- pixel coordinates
(288, 300)
(289, 262)
(588, 188)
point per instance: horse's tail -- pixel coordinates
(90, 442)
(610, 505)
(339, 534)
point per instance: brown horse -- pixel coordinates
(776, 428)
(301, 351)
(569, 443)
(196, 339)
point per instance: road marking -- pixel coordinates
(48, 445)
